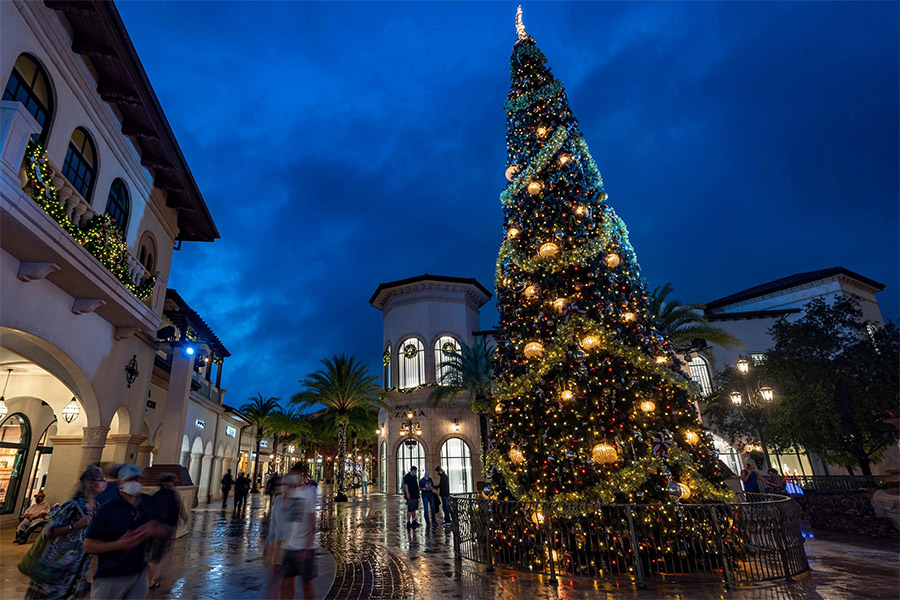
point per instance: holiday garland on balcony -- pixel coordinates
(101, 236)
(589, 406)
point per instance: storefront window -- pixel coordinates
(727, 454)
(791, 462)
(408, 456)
(41, 464)
(15, 437)
(456, 460)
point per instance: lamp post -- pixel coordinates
(408, 428)
(757, 401)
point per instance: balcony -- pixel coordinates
(56, 235)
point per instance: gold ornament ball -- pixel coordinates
(691, 437)
(548, 250)
(559, 304)
(516, 456)
(590, 341)
(580, 210)
(530, 291)
(684, 491)
(566, 395)
(512, 232)
(534, 188)
(534, 350)
(628, 317)
(541, 131)
(563, 159)
(498, 409)
(648, 406)
(511, 172)
(661, 360)
(612, 260)
(604, 454)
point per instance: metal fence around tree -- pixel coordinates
(755, 539)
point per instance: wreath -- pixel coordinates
(449, 348)
(410, 351)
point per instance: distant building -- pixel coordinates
(750, 313)
(424, 318)
(95, 196)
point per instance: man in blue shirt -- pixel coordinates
(118, 535)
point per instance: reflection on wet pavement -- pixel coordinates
(375, 556)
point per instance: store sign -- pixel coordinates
(264, 443)
(200, 424)
(230, 431)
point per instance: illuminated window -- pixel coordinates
(80, 166)
(444, 348)
(758, 358)
(29, 84)
(386, 362)
(456, 461)
(15, 437)
(699, 370)
(408, 456)
(727, 454)
(411, 356)
(119, 205)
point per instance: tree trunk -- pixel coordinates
(341, 495)
(865, 465)
(255, 488)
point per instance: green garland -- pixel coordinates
(591, 165)
(526, 100)
(101, 237)
(537, 165)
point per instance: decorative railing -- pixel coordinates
(98, 233)
(755, 539)
(833, 483)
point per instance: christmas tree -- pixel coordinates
(589, 403)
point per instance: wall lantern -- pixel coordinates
(736, 398)
(455, 426)
(767, 393)
(71, 410)
(131, 370)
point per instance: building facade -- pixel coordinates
(95, 196)
(424, 318)
(748, 315)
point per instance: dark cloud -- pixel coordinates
(340, 145)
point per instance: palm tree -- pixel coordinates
(259, 410)
(684, 323)
(348, 392)
(469, 371)
(282, 424)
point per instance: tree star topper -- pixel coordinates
(520, 27)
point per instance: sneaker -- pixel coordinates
(408, 525)
(415, 523)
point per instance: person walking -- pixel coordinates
(295, 528)
(365, 482)
(444, 492)
(426, 486)
(411, 493)
(751, 478)
(241, 489)
(61, 570)
(118, 535)
(32, 517)
(227, 482)
(171, 511)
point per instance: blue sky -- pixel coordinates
(341, 145)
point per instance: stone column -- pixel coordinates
(125, 448)
(143, 457)
(196, 467)
(62, 475)
(92, 444)
(176, 407)
(186, 460)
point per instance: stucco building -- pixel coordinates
(95, 197)
(424, 317)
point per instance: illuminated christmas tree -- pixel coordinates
(589, 403)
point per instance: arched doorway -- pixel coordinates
(456, 461)
(382, 468)
(410, 452)
(15, 437)
(40, 465)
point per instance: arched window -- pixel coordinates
(727, 454)
(118, 206)
(444, 347)
(28, 83)
(699, 370)
(80, 166)
(412, 363)
(147, 254)
(382, 468)
(456, 461)
(15, 437)
(409, 453)
(386, 362)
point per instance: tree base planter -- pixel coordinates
(752, 540)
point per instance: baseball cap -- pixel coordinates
(127, 472)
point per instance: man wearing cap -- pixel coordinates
(411, 493)
(118, 535)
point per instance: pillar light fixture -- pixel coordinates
(455, 427)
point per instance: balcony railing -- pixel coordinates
(98, 233)
(833, 483)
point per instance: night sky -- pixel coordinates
(341, 145)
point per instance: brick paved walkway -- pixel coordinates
(374, 556)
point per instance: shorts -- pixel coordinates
(412, 505)
(158, 547)
(292, 566)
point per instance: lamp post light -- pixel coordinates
(757, 400)
(409, 428)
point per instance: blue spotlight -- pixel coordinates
(189, 350)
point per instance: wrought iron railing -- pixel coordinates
(755, 539)
(831, 483)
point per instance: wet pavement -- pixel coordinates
(367, 552)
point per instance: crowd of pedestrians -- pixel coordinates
(434, 493)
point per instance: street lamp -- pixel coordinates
(756, 399)
(410, 427)
(736, 398)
